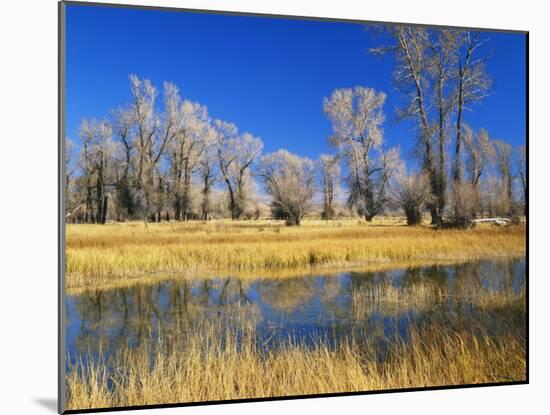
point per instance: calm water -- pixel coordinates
(379, 305)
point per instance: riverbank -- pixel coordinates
(104, 254)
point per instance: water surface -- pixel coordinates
(380, 306)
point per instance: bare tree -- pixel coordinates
(152, 158)
(86, 165)
(208, 171)
(356, 117)
(69, 164)
(473, 84)
(413, 195)
(464, 204)
(479, 153)
(226, 134)
(503, 157)
(146, 125)
(522, 173)
(441, 62)
(235, 154)
(186, 151)
(289, 180)
(480, 156)
(412, 76)
(123, 124)
(153, 132)
(329, 175)
(98, 151)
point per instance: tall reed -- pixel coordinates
(209, 364)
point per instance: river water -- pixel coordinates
(381, 306)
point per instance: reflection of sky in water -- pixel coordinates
(301, 308)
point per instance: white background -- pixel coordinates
(28, 204)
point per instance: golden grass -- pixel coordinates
(100, 254)
(249, 275)
(187, 371)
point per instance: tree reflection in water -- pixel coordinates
(374, 306)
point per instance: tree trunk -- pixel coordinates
(458, 166)
(436, 220)
(414, 216)
(177, 209)
(293, 220)
(441, 174)
(104, 209)
(233, 206)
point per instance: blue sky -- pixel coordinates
(266, 75)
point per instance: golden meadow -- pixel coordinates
(104, 254)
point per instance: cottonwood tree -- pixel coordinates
(503, 161)
(166, 156)
(146, 124)
(123, 131)
(170, 122)
(522, 173)
(480, 155)
(87, 168)
(329, 176)
(441, 72)
(490, 195)
(144, 134)
(472, 85)
(235, 154)
(247, 149)
(289, 180)
(356, 116)
(442, 60)
(208, 171)
(464, 204)
(153, 134)
(226, 134)
(69, 166)
(186, 150)
(98, 151)
(412, 74)
(413, 195)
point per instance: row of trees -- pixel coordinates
(377, 179)
(441, 74)
(146, 163)
(170, 160)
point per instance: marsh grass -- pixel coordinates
(245, 275)
(100, 254)
(214, 363)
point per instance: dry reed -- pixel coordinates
(99, 254)
(229, 368)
